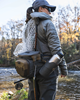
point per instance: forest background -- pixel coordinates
(67, 24)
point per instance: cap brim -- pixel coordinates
(53, 8)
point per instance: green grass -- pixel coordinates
(18, 95)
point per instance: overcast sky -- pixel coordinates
(16, 9)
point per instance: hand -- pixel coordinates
(63, 76)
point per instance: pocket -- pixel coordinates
(25, 68)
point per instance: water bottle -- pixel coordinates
(49, 66)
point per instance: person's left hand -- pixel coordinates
(63, 76)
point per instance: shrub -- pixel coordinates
(18, 95)
(1, 62)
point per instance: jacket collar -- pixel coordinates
(41, 15)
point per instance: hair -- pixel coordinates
(28, 12)
(36, 10)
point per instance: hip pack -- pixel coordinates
(25, 65)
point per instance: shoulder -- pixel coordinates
(47, 25)
(47, 22)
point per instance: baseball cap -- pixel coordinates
(38, 3)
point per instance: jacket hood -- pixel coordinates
(41, 15)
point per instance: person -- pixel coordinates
(47, 43)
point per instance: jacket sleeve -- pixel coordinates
(54, 45)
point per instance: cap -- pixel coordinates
(39, 3)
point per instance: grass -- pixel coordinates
(18, 95)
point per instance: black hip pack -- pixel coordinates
(25, 65)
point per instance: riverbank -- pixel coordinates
(68, 88)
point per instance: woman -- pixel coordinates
(48, 44)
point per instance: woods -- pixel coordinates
(67, 23)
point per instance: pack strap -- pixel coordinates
(36, 37)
